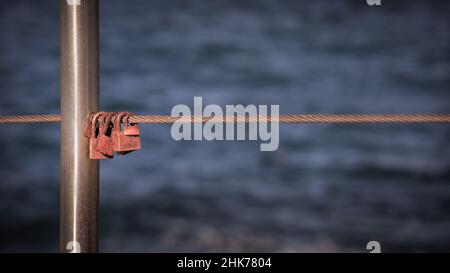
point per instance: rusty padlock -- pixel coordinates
(122, 143)
(104, 142)
(93, 153)
(131, 129)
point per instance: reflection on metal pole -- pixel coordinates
(79, 95)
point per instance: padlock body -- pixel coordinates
(132, 130)
(104, 145)
(123, 143)
(93, 153)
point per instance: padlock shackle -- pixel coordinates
(105, 123)
(89, 117)
(118, 121)
(94, 122)
(127, 119)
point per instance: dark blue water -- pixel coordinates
(327, 188)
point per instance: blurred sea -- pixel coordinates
(327, 188)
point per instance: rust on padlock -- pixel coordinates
(133, 139)
(121, 142)
(131, 129)
(132, 132)
(93, 153)
(104, 143)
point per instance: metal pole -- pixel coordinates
(79, 37)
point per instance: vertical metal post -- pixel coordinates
(79, 37)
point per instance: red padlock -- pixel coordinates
(122, 143)
(131, 129)
(104, 142)
(93, 153)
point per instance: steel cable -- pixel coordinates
(317, 118)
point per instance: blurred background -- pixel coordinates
(327, 187)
